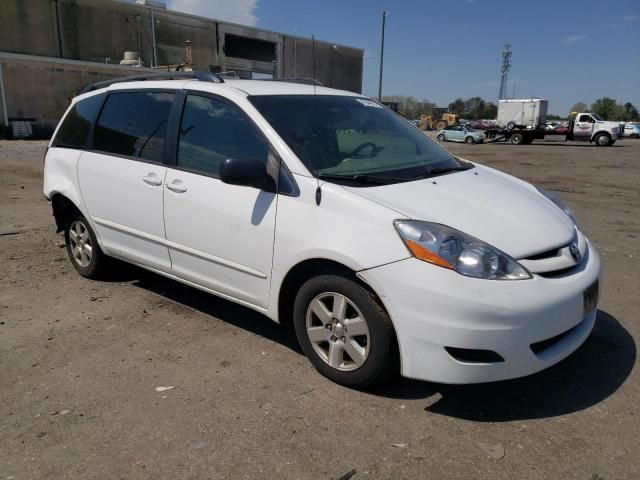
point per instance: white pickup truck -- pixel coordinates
(523, 120)
(589, 127)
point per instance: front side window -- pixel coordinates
(212, 131)
(586, 119)
(74, 131)
(134, 124)
(350, 137)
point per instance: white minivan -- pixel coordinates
(327, 212)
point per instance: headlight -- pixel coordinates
(561, 205)
(452, 249)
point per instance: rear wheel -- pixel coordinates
(602, 140)
(441, 137)
(469, 140)
(344, 331)
(82, 247)
(517, 139)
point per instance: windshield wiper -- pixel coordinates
(441, 171)
(359, 178)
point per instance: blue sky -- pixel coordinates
(566, 50)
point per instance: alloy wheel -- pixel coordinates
(338, 331)
(80, 243)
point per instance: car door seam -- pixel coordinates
(181, 248)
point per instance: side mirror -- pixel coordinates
(247, 173)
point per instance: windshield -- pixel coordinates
(354, 138)
(597, 117)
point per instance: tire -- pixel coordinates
(602, 140)
(517, 139)
(441, 138)
(83, 249)
(470, 140)
(354, 346)
(441, 125)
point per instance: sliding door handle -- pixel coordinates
(176, 187)
(152, 179)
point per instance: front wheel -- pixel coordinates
(441, 137)
(602, 140)
(82, 248)
(344, 331)
(469, 140)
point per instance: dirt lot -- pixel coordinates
(80, 363)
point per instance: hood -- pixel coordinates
(490, 205)
(608, 125)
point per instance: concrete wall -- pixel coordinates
(42, 87)
(336, 66)
(92, 30)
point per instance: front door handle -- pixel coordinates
(176, 187)
(152, 179)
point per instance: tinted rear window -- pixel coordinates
(134, 124)
(74, 131)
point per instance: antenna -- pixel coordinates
(504, 70)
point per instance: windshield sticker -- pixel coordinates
(368, 103)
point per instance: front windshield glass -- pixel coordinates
(597, 117)
(349, 137)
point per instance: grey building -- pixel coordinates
(75, 42)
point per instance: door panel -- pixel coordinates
(220, 236)
(583, 126)
(124, 200)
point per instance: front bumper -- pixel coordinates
(433, 308)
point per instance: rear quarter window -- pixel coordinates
(76, 125)
(134, 124)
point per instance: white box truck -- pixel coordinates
(524, 112)
(522, 120)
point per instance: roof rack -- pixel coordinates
(306, 81)
(201, 76)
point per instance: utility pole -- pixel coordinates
(504, 70)
(384, 17)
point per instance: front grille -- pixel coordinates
(548, 254)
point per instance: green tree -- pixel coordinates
(457, 106)
(473, 107)
(579, 107)
(606, 107)
(490, 110)
(630, 112)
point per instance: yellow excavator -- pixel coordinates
(438, 120)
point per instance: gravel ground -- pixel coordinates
(81, 363)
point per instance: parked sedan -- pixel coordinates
(632, 130)
(460, 133)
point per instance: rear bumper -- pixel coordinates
(433, 308)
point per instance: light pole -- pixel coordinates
(384, 17)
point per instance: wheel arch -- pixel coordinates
(600, 132)
(306, 269)
(63, 207)
(303, 271)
